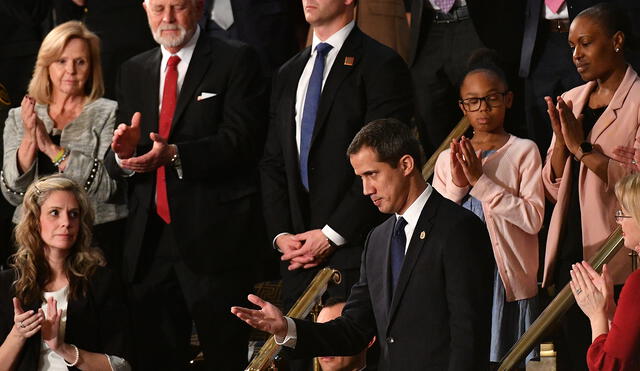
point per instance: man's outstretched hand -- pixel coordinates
(268, 318)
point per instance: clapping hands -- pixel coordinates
(466, 166)
(25, 324)
(593, 292)
(567, 128)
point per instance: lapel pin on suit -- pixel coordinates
(423, 235)
(348, 61)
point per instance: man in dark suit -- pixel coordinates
(545, 62)
(314, 209)
(442, 39)
(425, 278)
(267, 25)
(192, 187)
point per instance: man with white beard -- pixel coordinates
(196, 110)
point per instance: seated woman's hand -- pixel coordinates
(51, 325)
(25, 324)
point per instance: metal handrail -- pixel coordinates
(560, 304)
(300, 309)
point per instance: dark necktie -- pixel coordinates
(398, 242)
(310, 110)
(169, 98)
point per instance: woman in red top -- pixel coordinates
(615, 332)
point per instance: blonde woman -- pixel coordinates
(64, 126)
(59, 306)
(615, 333)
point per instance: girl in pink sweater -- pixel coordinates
(498, 177)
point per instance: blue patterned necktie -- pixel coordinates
(398, 243)
(310, 110)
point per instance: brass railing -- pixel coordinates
(302, 307)
(560, 304)
(461, 127)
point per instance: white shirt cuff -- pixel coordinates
(274, 241)
(127, 172)
(334, 236)
(292, 335)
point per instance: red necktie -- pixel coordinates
(169, 97)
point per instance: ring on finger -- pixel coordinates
(578, 291)
(22, 325)
(634, 162)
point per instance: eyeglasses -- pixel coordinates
(620, 216)
(492, 100)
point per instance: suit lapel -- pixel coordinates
(340, 69)
(416, 246)
(386, 267)
(73, 329)
(150, 114)
(291, 86)
(198, 67)
(610, 114)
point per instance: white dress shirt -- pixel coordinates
(563, 13)
(185, 54)
(336, 40)
(411, 215)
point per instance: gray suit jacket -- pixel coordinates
(88, 137)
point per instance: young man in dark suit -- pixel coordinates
(425, 285)
(190, 153)
(314, 209)
(267, 25)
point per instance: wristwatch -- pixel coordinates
(584, 149)
(176, 163)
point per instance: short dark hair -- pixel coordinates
(390, 139)
(613, 19)
(486, 60)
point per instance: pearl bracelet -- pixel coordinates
(77, 357)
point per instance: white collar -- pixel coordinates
(412, 214)
(336, 40)
(184, 53)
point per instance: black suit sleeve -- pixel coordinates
(30, 12)
(468, 262)
(389, 95)
(113, 169)
(273, 175)
(348, 334)
(239, 138)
